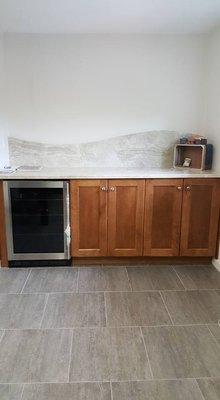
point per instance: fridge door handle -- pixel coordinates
(67, 230)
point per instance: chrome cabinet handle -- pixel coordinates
(104, 189)
(179, 187)
(112, 189)
(188, 188)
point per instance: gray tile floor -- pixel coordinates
(110, 333)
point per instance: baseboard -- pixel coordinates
(216, 263)
(140, 260)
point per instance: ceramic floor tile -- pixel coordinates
(103, 354)
(21, 310)
(35, 356)
(51, 279)
(67, 391)
(10, 392)
(12, 279)
(199, 277)
(215, 329)
(65, 310)
(103, 279)
(192, 307)
(182, 352)
(135, 308)
(153, 277)
(210, 388)
(156, 390)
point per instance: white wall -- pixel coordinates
(212, 126)
(1, 80)
(212, 122)
(4, 151)
(77, 88)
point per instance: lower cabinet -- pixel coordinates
(125, 217)
(103, 209)
(153, 217)
(163, 203)
(88, 212)
(200, 217)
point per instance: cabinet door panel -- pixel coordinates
(89, 218)
(200, 217)
(125, 217)
(163, 202)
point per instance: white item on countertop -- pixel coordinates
(7, 170)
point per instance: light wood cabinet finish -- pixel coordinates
(125, 217)
(200, 216)
(168, 218)
(88, 217)
(163, 202)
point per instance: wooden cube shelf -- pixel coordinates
(196, 152)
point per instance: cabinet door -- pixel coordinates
(163, 202)
(125, 217)
(200, 217)
(89, 218)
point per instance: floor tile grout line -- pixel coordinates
(115, 381)
(3, 334)
(111, 391)
(114, 291)
(29, 273)
(181, 281)
(22, 392)
(213, 336)
(71, 348)
(129, 281)
(197, 384)
(101, 388)
(147, 355)
(77, 281)
(110, 327)
(166, 308)
(106, 316)
(44, 310)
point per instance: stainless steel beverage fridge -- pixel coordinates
(37, 220)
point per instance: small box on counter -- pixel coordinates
(196, 156)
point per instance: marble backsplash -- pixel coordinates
(152, 149)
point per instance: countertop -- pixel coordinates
(108, 173)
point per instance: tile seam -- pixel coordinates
(166, 308)
(173, 268)
(28, 275)
(202, 397)
(70, 356)
(212, 335)
(114, 381)
(22, 391)
(106, 315)
(44, 310)
(146, 352)
(129, 281)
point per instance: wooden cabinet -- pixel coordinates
(200, 216)
(125, 217)
(156, 217)
(163, 202)
(88, 217)
(90, 221)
